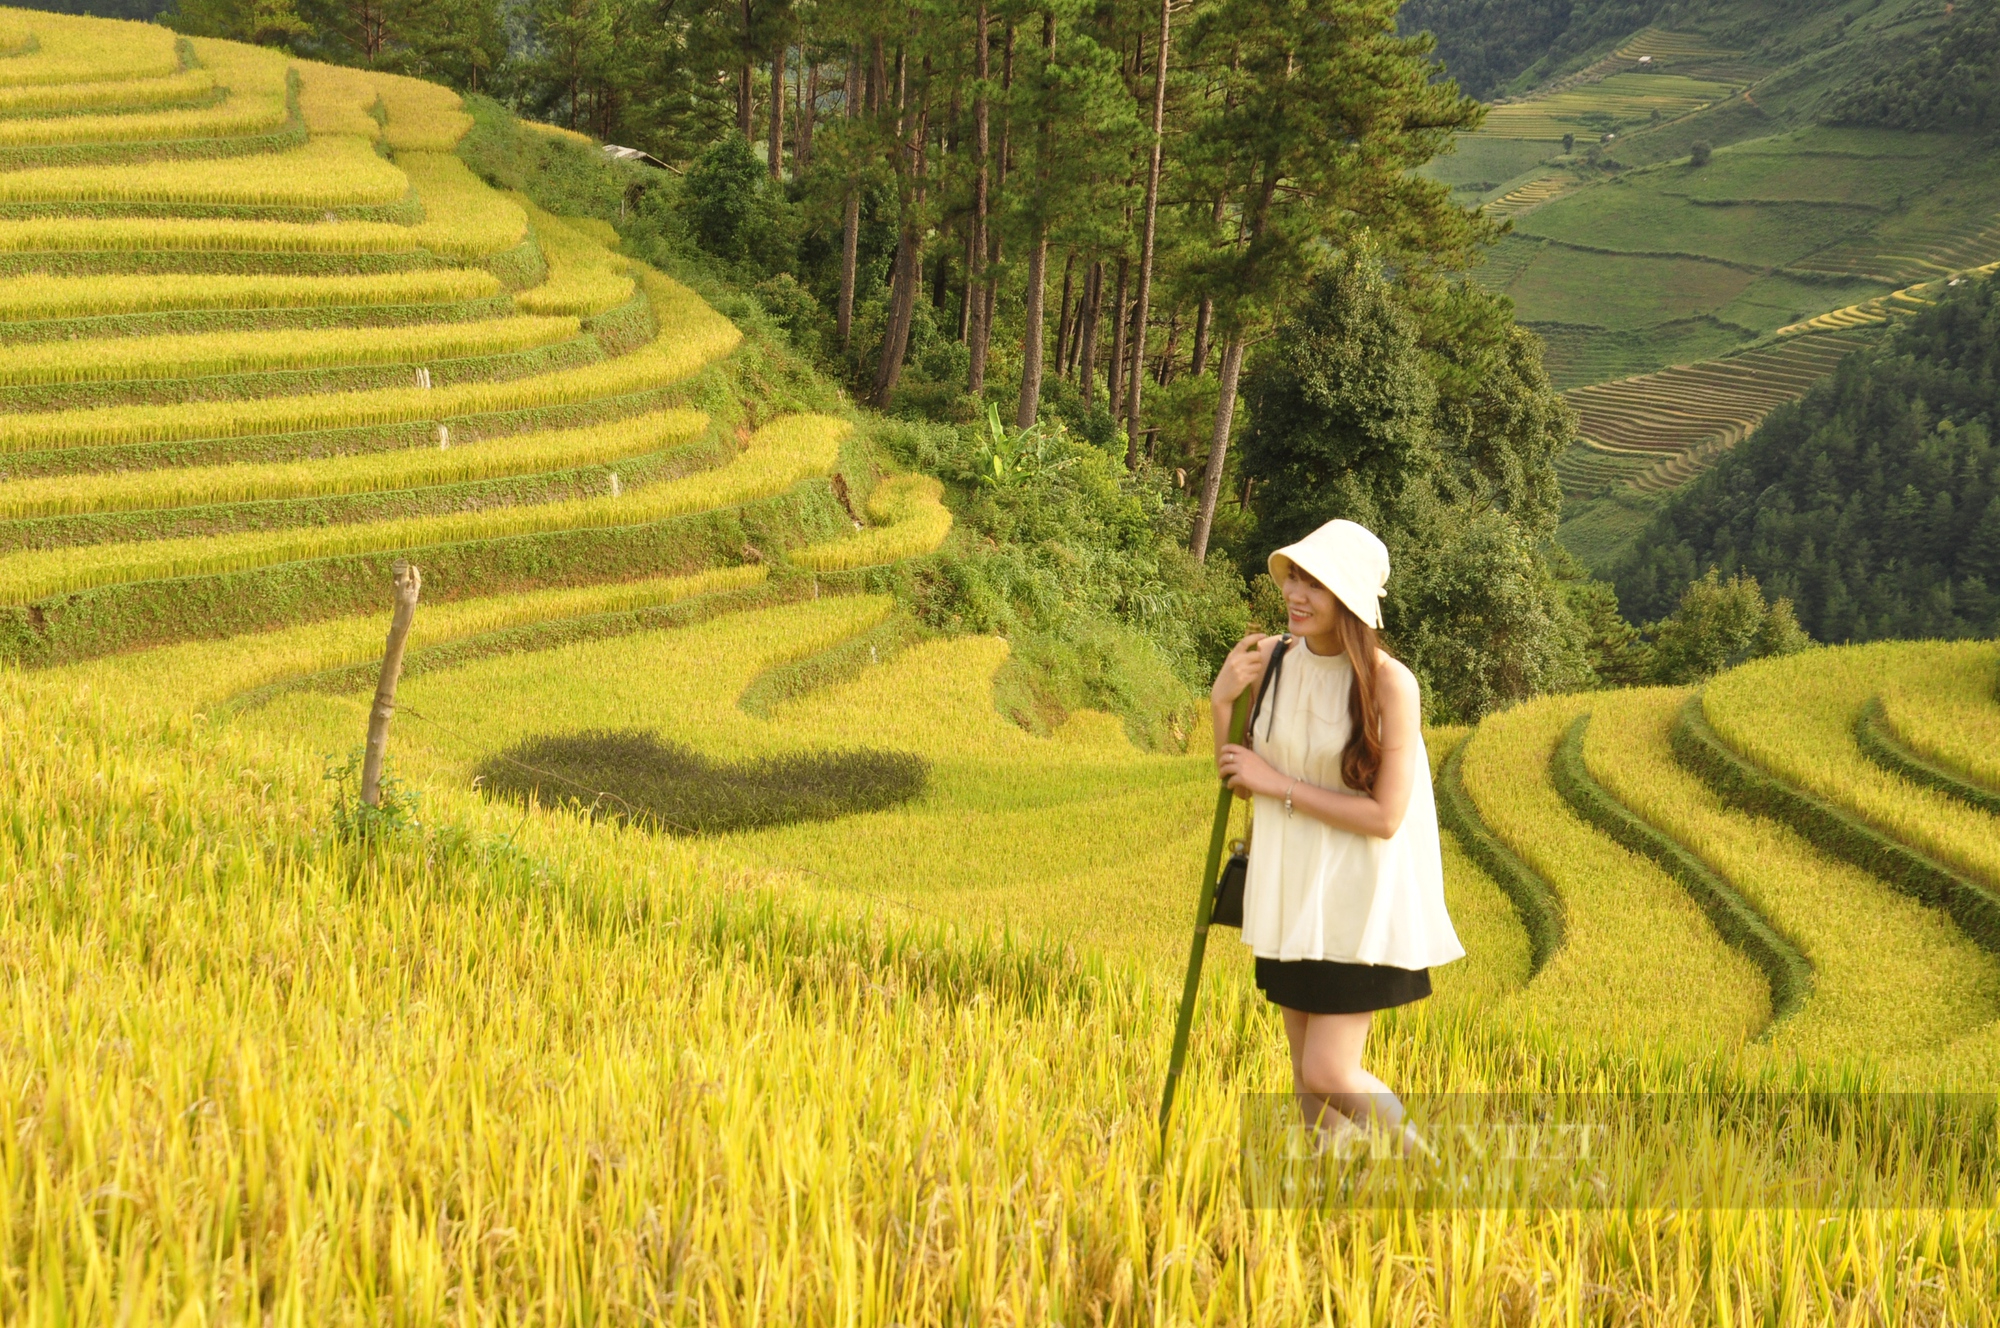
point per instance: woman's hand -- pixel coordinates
(1243, 668)
(1246, 772)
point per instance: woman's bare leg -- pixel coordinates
(1312, 1107)
(1327, 1065)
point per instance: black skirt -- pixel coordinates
(1328, 986)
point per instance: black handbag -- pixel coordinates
(1227, 910)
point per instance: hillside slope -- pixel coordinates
(1709, 211)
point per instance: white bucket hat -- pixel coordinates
(1345, 558)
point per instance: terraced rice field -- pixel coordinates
(1591, 109)
(1529, 196)
(505, 1062)
(1658, 430)
(1914, 255)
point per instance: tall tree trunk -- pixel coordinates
(908, 272)
(1031, 339)
(1146, 239)
(995, 241)
(808, 108)
(976, 306)
(775, 137)
(1218, 445)
(850, 219)
(1165, 373)
(745, 119)
(1093, 294)
(1232, 368)
(1114, 376)
(1062, 314)
(1038, 268)
(1203, 316)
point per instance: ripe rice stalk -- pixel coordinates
(1640, 960)
(614, 980)
(1894, 980)
(115, 94)
(335, 99)
(557, 131)
(39, 297)
(422, 117)
(326, 172)
(69, 49)
(1944, 704)
(464, 217)
(691, 335)
(201, 234)
(255, 103)
(198, 674)
(196, 354)
(464, 220)
(584, 277)
(791, 448)
(410, 468)
(912, 519)
(1795, 715)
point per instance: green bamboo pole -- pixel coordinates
(1238, 718)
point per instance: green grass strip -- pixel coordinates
(831, 667)
(1790, 973)
(135, 615)
(781, 454)
(1879, 744)
(515, 454)
(1540, 907)
(1832, 830)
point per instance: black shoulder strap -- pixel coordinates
(1272, 671)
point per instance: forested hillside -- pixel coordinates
(1874, 503)
(1488, 44)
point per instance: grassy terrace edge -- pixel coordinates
(1739, 923)
(1534, 899)
(130, 615)
(787, 586)
(528, 489)
(1879, 744)
(1743, 785)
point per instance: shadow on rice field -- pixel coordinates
(631, 774)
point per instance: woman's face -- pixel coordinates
(1309, 604)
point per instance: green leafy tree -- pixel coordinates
(1316, 114)
(1414, 414)
(1720, 624)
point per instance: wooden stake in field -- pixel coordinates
(408, 582)
(1204, 905)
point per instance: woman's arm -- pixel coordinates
(1379, 815)
(1242, 670)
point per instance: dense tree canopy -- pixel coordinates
(1874, 504)
(1424, 415)
(1947, 80)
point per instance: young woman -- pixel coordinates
(1344, 902)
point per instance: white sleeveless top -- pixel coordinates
(1314, 892)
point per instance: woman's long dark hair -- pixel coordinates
(1361, 759)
